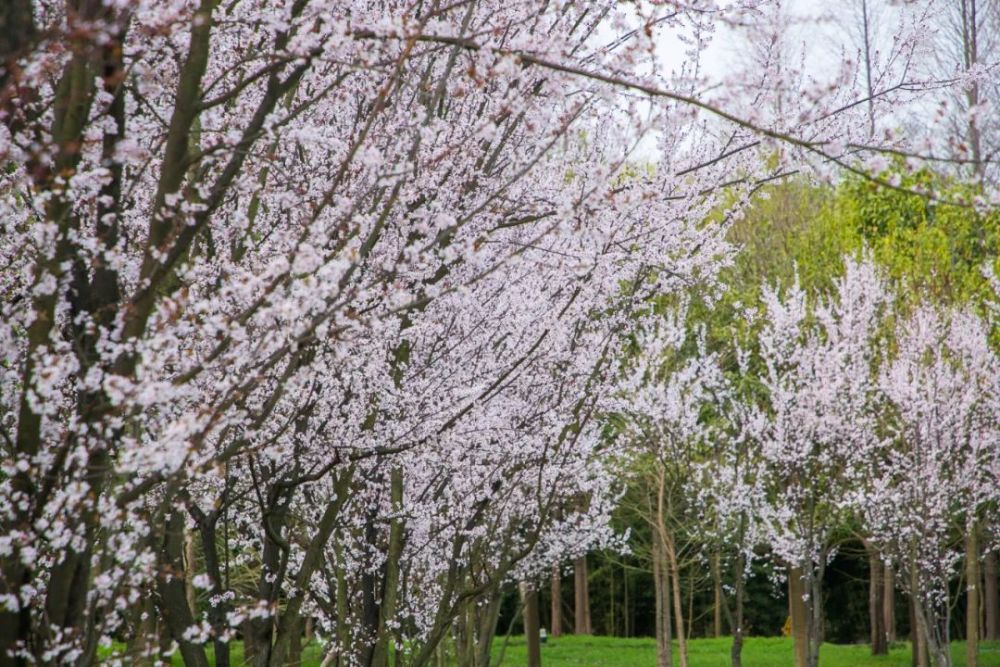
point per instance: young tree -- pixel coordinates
(818, 384)
(936, 467)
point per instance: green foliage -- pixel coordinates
(930, 247)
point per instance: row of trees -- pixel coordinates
(846, 410)
(309, 307)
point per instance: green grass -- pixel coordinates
(582, 651)
(571, 651)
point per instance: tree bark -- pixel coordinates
(555, 589)
(814, 609)
(582, 597)
(189, 572)
(918, 648)
(716, 595)
(390, 581)
(972, 597)
(531, 625)
(876, 602)
(919, 630)
(798, 613)
(675, 580)
(889, 604)
(664, 647)
(173, 601)
(991, 603)
(736, 651)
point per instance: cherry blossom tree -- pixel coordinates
(663, 397)
(336, 287)
(936, 470)
(818, 381)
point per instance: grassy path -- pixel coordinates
(574, 651)
(570, 651)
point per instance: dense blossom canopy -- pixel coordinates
(340, 287)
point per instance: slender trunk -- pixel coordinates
(664, 648)
(489, 614)
(991, 597)
(814, 608)
(868, 67)
(582, 597)
(970, 48)
(736, 651)
(876, 602)
(555, 589)
(610, 627)
(390, 581)
(463, 638)
(343, 626)
(173, 602)
(799, 615)
(142, 644)
(716, 595)
(626, 605)
(889, 604)
(189, 572)
(675, 580)
(531, 625)
(919, 630)
(972, 597)
(216, 612)
(290, 621)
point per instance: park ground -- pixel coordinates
(586, 651)
(576, 651)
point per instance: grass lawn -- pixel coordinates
(574, 651)
(571, 651)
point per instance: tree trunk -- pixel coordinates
(489, 614)
(675, 578)
(664, 647)
(736, 651)
(889, 604)
(531, 625)
(798, 613)
(294, 650)
(390, 580)
(990, 597)
(189, 572)
(814, 609)
(972, 597)
(170, 585)
(582, 597)
(716, 596)
(876, 602)
(555, 589)
(920, 631)
(142, 644)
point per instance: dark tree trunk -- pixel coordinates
(661, 585)
(173, 599)
(736, 652)
(531, 625)
(991, 597)
(876, 602)
(972, 597)
(555, 588)
(889, 604)
(581, 597)
(799, 615)
(716, 595)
